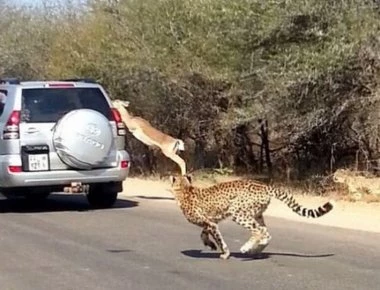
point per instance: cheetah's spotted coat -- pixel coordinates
(243, 200)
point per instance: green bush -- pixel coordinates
(208, 71)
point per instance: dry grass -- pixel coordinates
(327, 188)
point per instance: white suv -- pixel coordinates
(61, 136)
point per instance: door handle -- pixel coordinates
(32, 130)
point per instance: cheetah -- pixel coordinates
(243, 200)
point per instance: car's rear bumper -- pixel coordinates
(58, 177)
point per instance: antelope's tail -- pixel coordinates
(180, 145)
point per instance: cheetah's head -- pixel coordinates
(179, 182)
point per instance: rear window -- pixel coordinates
(50, 104)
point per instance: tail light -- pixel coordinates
(119, 122)
(12, 127)
(14, 169)
(124, 164)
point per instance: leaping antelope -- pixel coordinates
(142, 130)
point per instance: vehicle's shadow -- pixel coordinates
(55, 203)
(265, 255)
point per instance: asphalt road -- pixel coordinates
(147, 244)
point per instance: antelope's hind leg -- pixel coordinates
(180, 162)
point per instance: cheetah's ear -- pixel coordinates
(189, 178)
(172, 179)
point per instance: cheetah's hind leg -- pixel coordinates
(259, 235)
(240, 217)
(206, 240)
(265, 237)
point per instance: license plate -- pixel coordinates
(38, 162)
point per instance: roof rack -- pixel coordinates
(10, 81)
(82, 80)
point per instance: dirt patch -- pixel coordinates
(351, 215)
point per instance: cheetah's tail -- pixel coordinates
(290, 201)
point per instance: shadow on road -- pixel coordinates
(119, 251)
(261, 256)
(154, 197)
(55, 203)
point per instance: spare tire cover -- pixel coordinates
(83, 138)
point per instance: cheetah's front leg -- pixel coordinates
(206, 240)
(213, 229)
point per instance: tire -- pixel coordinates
(98, 198)
(83, 139)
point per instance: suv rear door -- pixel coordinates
(42, 107)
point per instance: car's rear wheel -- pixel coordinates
(99, 197)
